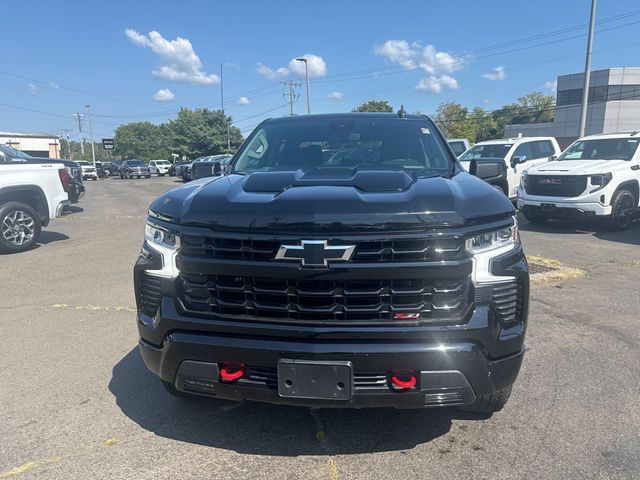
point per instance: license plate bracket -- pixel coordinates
(319, 380)
(548, 207)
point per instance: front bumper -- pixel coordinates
(565, 207)
(454, 363)
(449, 375)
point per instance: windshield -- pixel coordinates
(457, 147)
(343, 143)
(602, 149)
(12, 152)
(494, 150)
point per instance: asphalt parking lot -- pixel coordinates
(76, 401)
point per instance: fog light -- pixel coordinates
(230, 372)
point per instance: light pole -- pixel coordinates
(587, 72)
(306, 75)
(93, 146)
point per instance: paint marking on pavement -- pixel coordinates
(111, 442)
(333, 470)
(24, 468)
(94, 308)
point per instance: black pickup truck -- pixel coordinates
(343, 261)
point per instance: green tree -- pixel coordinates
(142, 140)
(454, 121)
(202, 132)
(534, 107)
(374, 106)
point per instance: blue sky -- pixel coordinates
(416, 53)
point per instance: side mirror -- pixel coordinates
(518, 160)
(553, 158)
(217, 168)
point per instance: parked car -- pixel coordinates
(134, 168)
(398, 282)
(212, 166)
(511, 156)
(31, 195)
(112, 168)
(459, 145)
(178, 167)
(75, 190)
(100, 170)
(596, 177)
(88, 170)
(159, 167)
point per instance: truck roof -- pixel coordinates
(343, 116)
(512, 140)
(634, 134)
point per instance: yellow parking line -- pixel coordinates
(94, 308)
(333, 470)
(14, 472)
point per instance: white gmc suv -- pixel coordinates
(515, 155)
(31, 194)
(597, 176)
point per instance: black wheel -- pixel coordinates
(161, 174)
(95, 179)
(491, 403)
(535, 219)
(20, 227)
(147, 176)
(623, 209)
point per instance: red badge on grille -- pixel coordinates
(406, 316)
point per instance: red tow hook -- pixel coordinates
(403, 380)
(230, 372)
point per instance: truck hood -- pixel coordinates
(577, 167)
(366, 201)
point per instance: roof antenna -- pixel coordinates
(402, 113)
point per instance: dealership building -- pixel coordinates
(614, 106)
(35, 144)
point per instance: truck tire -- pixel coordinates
(623, 209)
(490, 403)
(20, 227)
(535, 219)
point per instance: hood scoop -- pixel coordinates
(365, 180)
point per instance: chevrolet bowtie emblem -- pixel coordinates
(315, 253)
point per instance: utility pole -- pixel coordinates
(221, 90)
(65, 131)
(289, 93)
(306, 75)
(79, 119)
(222, 108)
(93, 145)
(587, 71)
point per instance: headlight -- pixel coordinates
(599, 181)
(486, 246)
(166, 244)
(493, 240)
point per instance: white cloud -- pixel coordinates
(335, 95)
(243, 101)
(498, 73)
(164, 95)
(317, 66)
(271, 73)
(32, 88)
(178, 60)
(398, 52)
(437, 83)
(551, 86)
(413, 56)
